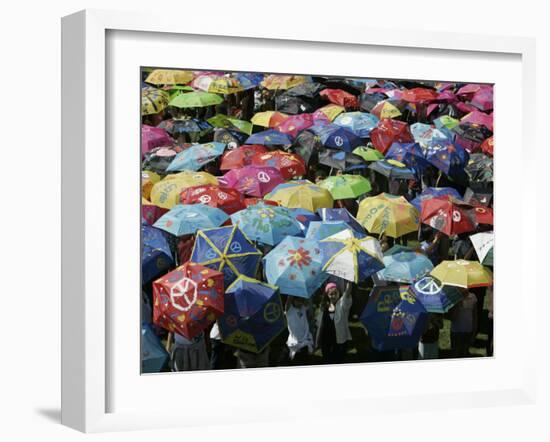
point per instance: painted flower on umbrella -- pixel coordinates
(299, 257)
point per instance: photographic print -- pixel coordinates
(298, 220)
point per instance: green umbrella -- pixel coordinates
(346, 186)
(175, 90)
(195, 99)
(368, 153)
(446, 121)
(226, 122)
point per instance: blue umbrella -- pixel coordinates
(195, 157)
(227, 250)
(319, 230)
(392, 169)
(447, 157)
(360, 123)
(394, 318)
(321, 127)
(341, 138)
(153, 355)
(253, 315)
(266, 224)
(410, 154)
(341, 215)
(425, 134)
(431, 192)
(269, 137)
(295, 267)
(405, 266)
(434, 296)
(249, 80)
(156, 257)
(304, 217)
(186, 219)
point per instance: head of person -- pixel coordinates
(332, 292)
(297, 302)
(320, 175)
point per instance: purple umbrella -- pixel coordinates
(152, 137)
(253, 180)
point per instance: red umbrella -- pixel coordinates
(188, 299)
(226, 199)
(389, 131)
(419, 95)
(448, 215)
(340, 97)
(295, 124)
(289, 164)
(241, 156)
(483, 215)
(488, 146)
(150, 212)
(253, 201)
(483, 98)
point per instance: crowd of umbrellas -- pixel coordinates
(260, 186)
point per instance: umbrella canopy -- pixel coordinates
(483, 215)
(227, 250)
(369, 100)
(425, 134)
(159, 158)
(266, 224)
(196, 157)
(434, 296)
(307, 145)
(308, 90)
(351, 256)
(303, 216)
(268, 118)
(153, 137)
(463, 273)
(394, 318)
(253, 180)
(232, 138)
(217, 84)
(480, 168)
(388, 214)
(483, 244)
(226, 199)
(178, 126)
(188, 299)
(226, 122)
(148, 179)
(295, 124)
(341, 214)
(304, 196)
(339, 159)
(195, 99)
(340, 98)
(405, 267)
(186, 219)
(270, 137)
(388, 132)
(447, 122)
(153, 100)
(150, 212)
(253, 315)
(241, 156)
(295, 267)
(318, 230)
(419, 95)
(328, 113)
(346, 186)
(447, 157)
(386, 109)
(153, 355)
(169, 76)
(479, 118)
(360, 123)
(368, 154)
(293, 105)
(483, 98)
(282, 82)
(249, 80)
(156, 257)
(488, 146)
(341, 138)
(393, 169)
(448, 215)
(410, 154)
(166, 193)
(432, 192)
(289, 164)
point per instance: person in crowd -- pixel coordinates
(428, 347)
(221, 355)
(189, 354)
(436, 247)
(463, 325)
(247, 359)
(300, 339)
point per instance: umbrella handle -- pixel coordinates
(438, 178)
(168, 342)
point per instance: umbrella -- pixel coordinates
(388, 132)
(166, 193)
(360, 123)
(340, 97)
(447, 157)
(253, 315)
(266, 224)
(188, 299)
(340, 138)
(293, 105)
(159, 158)
(156, 257)
(289, 164)
(169, 76)
(351, 256)
(341, 214)
(232, 138)
(148, 179)
(249, 80)
(481, 196)
(253, 180)
(386, 109)
(470, 135)
(153, 355)
(192, 126)
(431, 192)
(278, 82)
(346, 186)
(196, 157)
(487, 147)
(483, 244)
(410, 154)
(268, 118)
(304, 217)
(419, 95)
(295, 124)
(463, 273)
(480, 168)
(153, 100)
(307, 145)
(216, 84)
(339, 159)
(241, 156)
(226, 122)
(483, 215)
(369, 100)
(186, 219)
(318, 230)
(150, 212)
(405, 266)
(227, 250)
(226, 199)
(394, 170)
(195, 99)
(425, 134)
(174, 90)
(153, 137)
(478, 118)
(394, 318)
(388, 214)
(305, 196)
(368, 154)
(447, 122)
(448, 215)
(308, 90)
(294, 266)
(270, 137)
(328, 113)
(483, 98)
(434, 296)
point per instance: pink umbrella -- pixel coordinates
(465, 107)
(253, 180)
(151, 213)
(152, 137)
(483, 98)
(446, 95)
(295, 124)
(477, 117)
(469, 89)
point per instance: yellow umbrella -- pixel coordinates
(276, 82)
(153, 100)
(389, 214)
(331, 111)
(169, 76)
(463, 273)
(148, 179)
(303, 194)
(385, 109)
(225, 85)
(268, 118)
(166, 193)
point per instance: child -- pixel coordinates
(428, 347)
(463, 325)
(300, 340)
(188, 354)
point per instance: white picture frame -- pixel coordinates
(86, 352)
